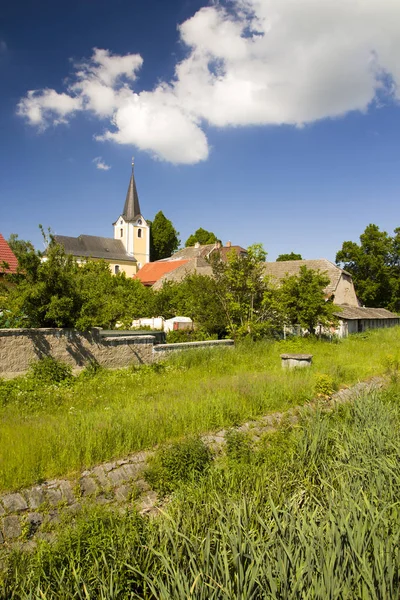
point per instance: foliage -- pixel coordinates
(318, 518)
(181, 461)
(58, 292)
(324, 385)
(244, 293)
(164, 239)
(238, 446)
(303, 299)
(193, 335)
(28, 257)
(48, 370)
(48, 431)
(202, 236)
(291, 256)
(375, 267)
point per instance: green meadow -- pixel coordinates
(309, 512)
(57, 429)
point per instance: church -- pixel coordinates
(128, 250)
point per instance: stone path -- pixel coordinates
(34, 512)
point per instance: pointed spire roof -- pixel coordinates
(132, 206)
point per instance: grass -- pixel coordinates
(56, 430)
(312, 513)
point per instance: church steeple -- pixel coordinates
(132, 206)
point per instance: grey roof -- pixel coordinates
(359, 312)
(278, 270)
(191, 252)
(132, 206)
(93, 246)
(197, 265)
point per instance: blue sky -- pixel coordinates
(273, 121)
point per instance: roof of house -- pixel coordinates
(197, 265)
(7, 256)
(93, 246)
(278, 270)
(204, 251)
(152, 272)
(360, 312)
(132, 206)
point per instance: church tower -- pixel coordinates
(131, 228)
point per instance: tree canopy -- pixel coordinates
(291, 256)
(164, 239)
(302, 299)
(58, 292)
(375, 267)
(202, 236)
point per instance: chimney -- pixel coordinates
(228, 244)
(197, 245)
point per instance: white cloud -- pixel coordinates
(262, 62)
(100, 164)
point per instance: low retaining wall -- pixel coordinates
(20, 347)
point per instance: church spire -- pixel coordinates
(132, 206)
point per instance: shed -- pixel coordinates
(356, 319)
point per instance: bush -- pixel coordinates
(324, 385)
(238, 446)
(179, 336)
(177, 463)
(50, 371)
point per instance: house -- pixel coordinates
(186, 261)
(128, 250)
(340, 288)
(8, 260)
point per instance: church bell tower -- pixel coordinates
(131, 227)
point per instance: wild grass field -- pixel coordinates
(308, 512)
(56, 429)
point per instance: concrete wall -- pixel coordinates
(20, 347)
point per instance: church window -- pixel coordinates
(139, 233)
(140, 222)
(116, 269)
(121, 232)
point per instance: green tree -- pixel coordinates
(303, 302)
(245, 295)
(375, 267)
(164, 239)
(202, 236)
(291, 256)
(28, 258)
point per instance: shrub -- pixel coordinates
(324, 385)
(178, 462)
(238, 446)
(177, 337)
(49, 371)
(92, 369)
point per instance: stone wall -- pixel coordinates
(20, 347)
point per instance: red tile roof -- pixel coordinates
(7, 256)
(152, 272)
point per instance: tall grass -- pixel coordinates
(56, 430)
(314, 515)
